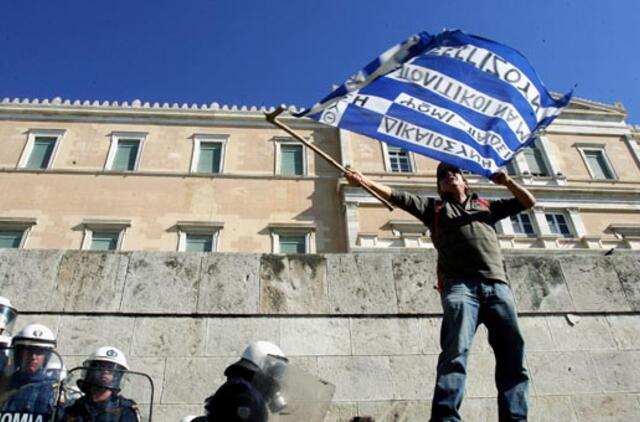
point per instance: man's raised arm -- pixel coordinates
(526, 198)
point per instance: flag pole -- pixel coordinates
(273, 119)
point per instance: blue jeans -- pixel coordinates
(466, 305)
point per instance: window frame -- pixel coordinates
(531, 223)
(278, 157)
(293, 229)
(600, 148)
(18, 224)
(116, 137)
(199, 228)
(200, 138)
(387, 159)
(568, 223)
(32, 134)
(107, 226)
(537, 144)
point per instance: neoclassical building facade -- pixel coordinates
(210, 178)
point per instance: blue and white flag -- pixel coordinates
(455, 97)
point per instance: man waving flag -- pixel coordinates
(454, 97)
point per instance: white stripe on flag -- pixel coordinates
(454, 120)
(409, 132)
(333, 115)
(463, 95)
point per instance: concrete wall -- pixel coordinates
(366, 322)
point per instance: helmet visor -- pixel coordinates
(102, 374)
(7, 319)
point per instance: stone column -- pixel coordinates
(352, 224)
(632, 143)
(576, 222)
(554, 169)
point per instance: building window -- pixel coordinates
(10, 238)
(558, 224)
(290, 158)
(14, 231)
(292, 243)
(597, 162)
(521, 224)
(198, 236)
(124, 153)
(208, 153)
(199, 243)
(292, 238)
(398, 160)
(535, 160)
(41, 148)
(104, 235)
(104, 241)
(510, 168)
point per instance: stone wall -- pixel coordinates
(366, 322)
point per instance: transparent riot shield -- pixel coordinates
(295, 395)
(116, 395)
(29, 383)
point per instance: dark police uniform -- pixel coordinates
(237, 400)
(114, 409)
(32, 394)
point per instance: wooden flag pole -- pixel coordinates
(273, 119)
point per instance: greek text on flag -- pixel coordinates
(454, 97)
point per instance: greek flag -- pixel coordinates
(454, 97)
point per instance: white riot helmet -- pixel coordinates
(7, 318)
(258, 352)
(107, 354)
(272, 364)
(35, 335)
(105, 360)
(56, 370)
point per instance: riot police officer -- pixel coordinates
(8, 316)
(29, 389)
(101, 383)
(252, 387)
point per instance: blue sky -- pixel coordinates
(285, 51)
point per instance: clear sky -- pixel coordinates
(284, 51)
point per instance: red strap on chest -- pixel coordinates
(483, 202)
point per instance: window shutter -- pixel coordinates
(209, 157)
(41, 153)
(126, 155)
(291, 160)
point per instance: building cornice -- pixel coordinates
(146, 113)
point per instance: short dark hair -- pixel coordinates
(443, 168)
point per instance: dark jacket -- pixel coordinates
(115, 409)
(238, 399)
(33, 394)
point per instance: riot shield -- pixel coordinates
(297, 395)
(117, 395)
(29, 383)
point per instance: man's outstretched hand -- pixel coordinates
(500, 178)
